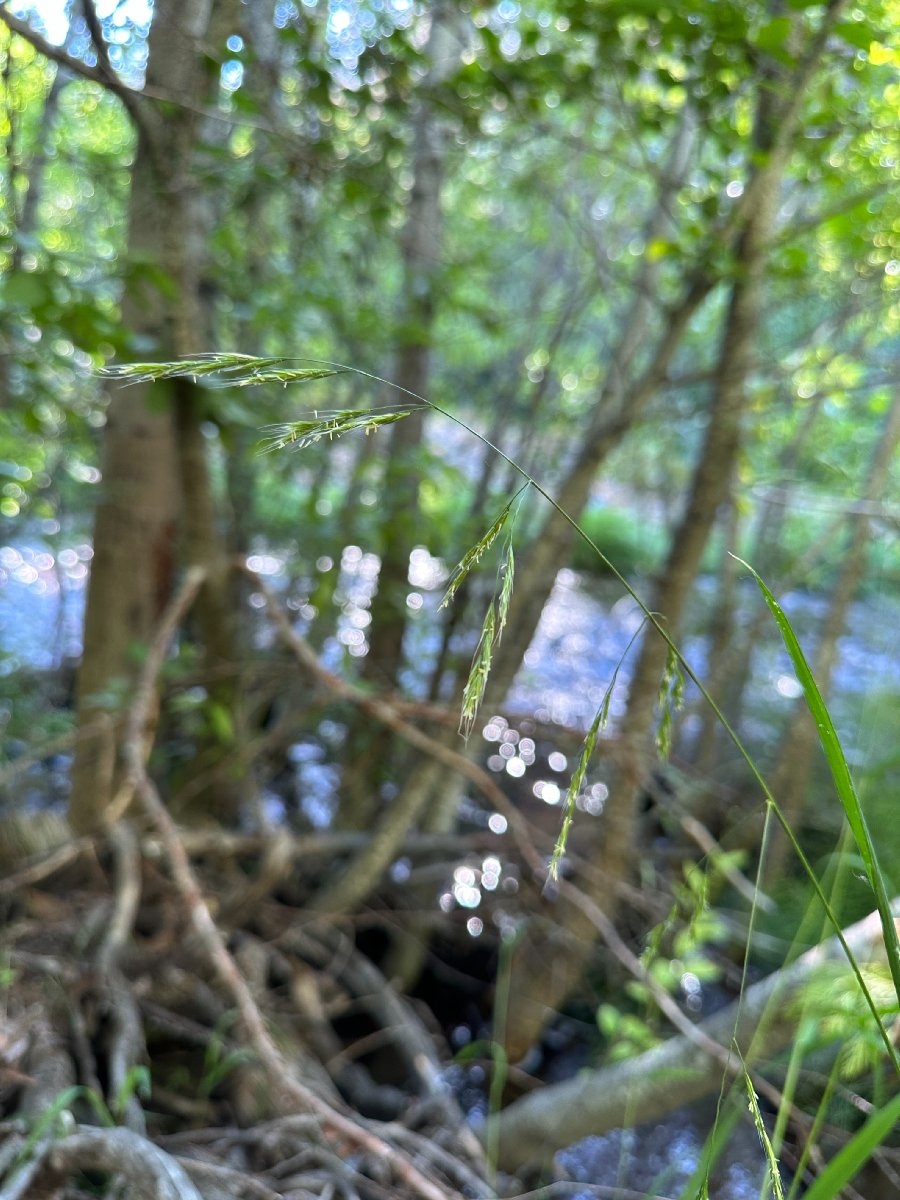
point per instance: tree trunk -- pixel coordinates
(539, 992)
(136, 526)
(421, 249)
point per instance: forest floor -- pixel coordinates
(141, 1043)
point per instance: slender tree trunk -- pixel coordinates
(421, 251)
(136, 527)
(31, 170)
(730, 656)
(539, 992)
(631, 381)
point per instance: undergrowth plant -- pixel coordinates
(240, 370)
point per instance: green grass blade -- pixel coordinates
(840, 772)
(853, 1157)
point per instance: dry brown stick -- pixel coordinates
(126, 1045)
(228, 844)
(47, 865)
(139, 785)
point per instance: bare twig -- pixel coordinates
(63, 59)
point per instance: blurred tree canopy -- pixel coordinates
(644, 256)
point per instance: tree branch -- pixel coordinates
(62, 57)
(646, 1088)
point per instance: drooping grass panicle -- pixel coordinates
(479, 671)
(599, 723)
(587, 753)
(226, 370)
(297, 435)
(494, 620)
(474, 554)
(765, 1140)
(671, 696)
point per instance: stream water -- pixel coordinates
(578, 653)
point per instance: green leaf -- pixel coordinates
(772, 37)
(26, 289)
(852, 1158)
(840, 772)
(860, 34)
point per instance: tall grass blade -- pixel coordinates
(840, 772)
(849, 1161)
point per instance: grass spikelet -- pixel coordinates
(507, 572)
(474, 554)
(587, 753)
(771, 1159)
(479, 671)
(282, 375)
(671, 695)
(298, 435)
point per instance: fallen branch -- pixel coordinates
(679, 1071)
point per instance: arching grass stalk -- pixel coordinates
(240, 370)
